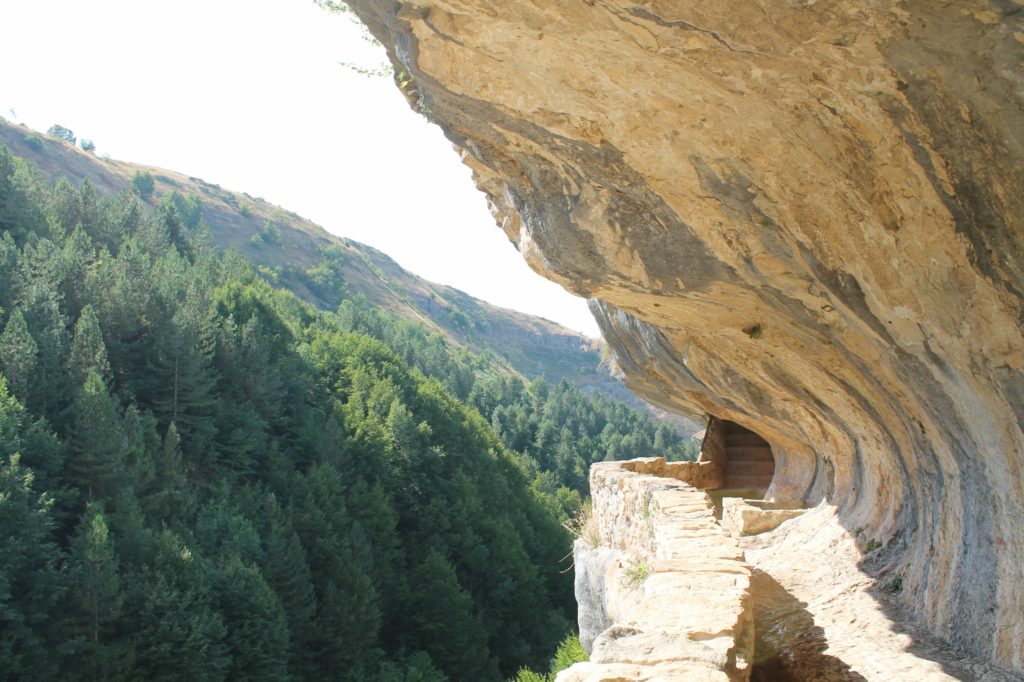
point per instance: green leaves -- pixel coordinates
(570, 651)
(143, 184)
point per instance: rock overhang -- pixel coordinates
(846, 176)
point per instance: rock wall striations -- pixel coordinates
(801, 216)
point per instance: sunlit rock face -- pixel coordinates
(805, 217)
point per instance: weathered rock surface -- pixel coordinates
(703, 474)
(801, 216)
(751, 517)
(831, 620)
(663, 595)
(666, 595)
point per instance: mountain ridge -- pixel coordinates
(288, 247)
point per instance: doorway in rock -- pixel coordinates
(745, 458)
(749, 464)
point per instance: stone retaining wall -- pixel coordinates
(664, 596)
(702, 474)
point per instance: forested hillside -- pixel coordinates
(322, 268)
(204, 477)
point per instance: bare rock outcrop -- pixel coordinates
(801, 216)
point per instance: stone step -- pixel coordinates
(747, 468)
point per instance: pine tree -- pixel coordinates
(20, 215)
(96, 459)
(97, 598)
(88, 208)
(88, 352)
(349, 610)
(415, 668)
(121, 292)
(176, 229)
(34, 442)
(349, 622)
(374, 538)
(177, 635)
(9, 254)
(18, 352)
(287, 572)
(47, 325)
(12, 422)
(122, 218)
(181, 387)
(139, 445)
(169, 498)
(257, 629)
(30, 582)
(7, 218)
(443, 624)
(408, 438)
(63, 209)
(128, 523)
(77, 254)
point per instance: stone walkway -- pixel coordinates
(816, 562)
(674, 584)
(667, 594)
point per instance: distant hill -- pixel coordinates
(321, 268)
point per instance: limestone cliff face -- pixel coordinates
(802, 216)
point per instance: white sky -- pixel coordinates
(251, 95)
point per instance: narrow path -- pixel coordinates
(666, 593)
(823, 620)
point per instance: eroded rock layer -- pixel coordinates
(801, 216)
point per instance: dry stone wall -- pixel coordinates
(664, 594)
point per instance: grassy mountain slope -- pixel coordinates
(293, 246)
